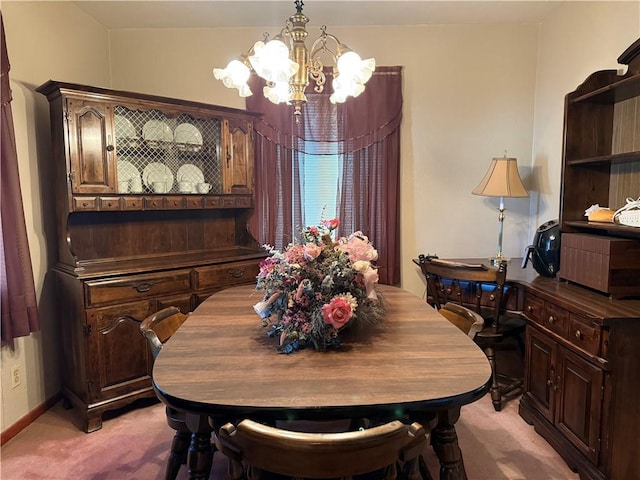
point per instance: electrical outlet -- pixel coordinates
(16, 376)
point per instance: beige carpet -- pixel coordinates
(134, 446)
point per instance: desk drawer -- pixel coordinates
(124, 289)
(235, 273)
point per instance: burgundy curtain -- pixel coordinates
(367, 135)
(18, 296)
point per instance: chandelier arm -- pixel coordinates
(285, 33)
(320, 46)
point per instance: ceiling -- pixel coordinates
(273, 13)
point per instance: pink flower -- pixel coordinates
(294, 253)
(337, 312)
(358, 247)
(267, 266)
(311, 251)
(313, 231)
(331, 224)
(370, 279)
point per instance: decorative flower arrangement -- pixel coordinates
(314, 289)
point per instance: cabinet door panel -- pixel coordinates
(92, 159)
(237, 157)
(117, 357)
(540, 372)
(580, 403)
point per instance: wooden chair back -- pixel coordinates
(465, 283)
(159, 327)
(322, 455)
(465, 319)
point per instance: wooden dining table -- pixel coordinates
(414, 365)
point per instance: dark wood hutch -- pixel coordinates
(135, 231)
(582, 389)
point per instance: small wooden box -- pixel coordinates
(610, 265)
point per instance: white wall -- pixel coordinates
(468, 96)
(575, 42)
(45, 40)
(470, 93)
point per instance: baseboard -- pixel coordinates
(25, 421)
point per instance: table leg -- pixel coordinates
(200, 456)
(445, 443)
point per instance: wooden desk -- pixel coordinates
(581, 388)
(220, 364)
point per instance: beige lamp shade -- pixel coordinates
(502, 180)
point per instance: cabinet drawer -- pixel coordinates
(556, 319)
(85, 203)
(243, 202)
(154, 203)
(213, 201)
(175, 203)
(124, 289)
(194, 202)
(227, 274)
(133, 203)
(110, 203)
(584, 335)
(534, 308)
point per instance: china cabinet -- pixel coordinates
(152, 196)
(581, 385)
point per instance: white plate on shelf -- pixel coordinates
(157, 131)
(124, 128)
(188, 134)
(190, 173)
(126, 135)
(128, 173)
(157, 172)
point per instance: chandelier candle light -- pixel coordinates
(288, 67)
(501, 180)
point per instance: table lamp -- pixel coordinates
(501, 180)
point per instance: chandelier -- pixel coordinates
(288, 67)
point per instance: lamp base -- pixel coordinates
(496, 261)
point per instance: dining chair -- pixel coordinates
(468, 321)
(255, 449)
(157, 329)
(482, 289)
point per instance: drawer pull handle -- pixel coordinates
(236, 272)
(142, 287)
(551, 319)
(529, 308)
(448, 291)
(492, 297)
(579, 335)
